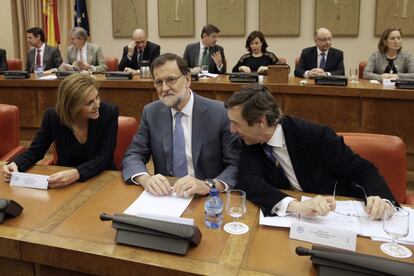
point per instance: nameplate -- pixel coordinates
(29, 180)
(324, 235)
(388, 83)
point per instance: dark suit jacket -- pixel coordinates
(309, 60)
(3, 60)
(91, 158)
(319, 158)
(151, 52)
(192, 52)
(51, 58)
(215, 150)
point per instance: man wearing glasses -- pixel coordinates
(282, 152)
(322, 59)
(188, 136)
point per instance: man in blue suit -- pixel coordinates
(283, 152)
(188, 136)
(322, 59)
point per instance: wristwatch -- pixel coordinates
(210, 183)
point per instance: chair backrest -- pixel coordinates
(387, 153)
(9, 128)
(14, 64)
(127, 127)
(112, 63)
(361, 68)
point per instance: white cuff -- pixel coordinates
(226, 186)
(328, 74)
(281, 207)
(306, 75)
(136, 175)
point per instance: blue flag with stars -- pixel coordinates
(81, 15)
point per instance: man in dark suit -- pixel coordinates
(282, 152)
(188, 136)
(41, 54)
(322, 59)
(3, 60)
(137, 51)
(206, 52)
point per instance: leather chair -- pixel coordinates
(14, 64)
(9, 132)
(112, 63)
(361, 69)
(388, 154)
(127, 127)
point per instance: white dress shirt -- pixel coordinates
(306, 75)
(82, 53)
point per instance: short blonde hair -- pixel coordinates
(71, 96)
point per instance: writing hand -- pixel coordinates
(317, 206)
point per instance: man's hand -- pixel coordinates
(155, 184)
(245, 69)
(317, 206)
(188, 185)
(195, 70)
(63, 178)
(131, 47)
(130, 70)
(7, 170)
(316, 72)
(389, 76)
(376, 207)
(217, 58)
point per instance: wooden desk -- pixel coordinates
(362, 107)
(68, 236)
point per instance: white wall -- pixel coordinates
(6, 30)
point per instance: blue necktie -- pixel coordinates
(322, 64)
(179, 157)
(268, 150)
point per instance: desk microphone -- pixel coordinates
(302, 251)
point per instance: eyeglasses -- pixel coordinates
(350, 214)
(170, 81)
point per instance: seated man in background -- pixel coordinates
(137, 51)
(282, 152)
(206, 52)
(322, 59)
(41, 54)
(3, 60)
(83, 55)
(188, 136)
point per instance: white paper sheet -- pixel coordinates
(29, 180)
(149, 204)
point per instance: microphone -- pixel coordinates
(302, 251)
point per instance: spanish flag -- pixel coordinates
(51, 22)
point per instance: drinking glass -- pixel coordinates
(204, 71)
(353, 74)
(236, 207)
(396, 226)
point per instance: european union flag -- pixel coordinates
(81, 15)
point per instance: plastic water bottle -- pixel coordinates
(213, 208)
(38, 72)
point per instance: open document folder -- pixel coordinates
(350, 215)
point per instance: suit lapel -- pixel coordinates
(315, 58)
(46, 55)
(165, 120)
(330, 59)
(199, 127)
(197, 55)
(89, 54)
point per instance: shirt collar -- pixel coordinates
(188, 108)
(84, 47)
(42, 48)
(319, 52)
(278, 138)
(202, 46)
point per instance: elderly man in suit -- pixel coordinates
(188, 136)
(322, 59)
(41, 54)
(137, 51)
(206, 52)
(83, 55)
(282, 152)
(3, 60)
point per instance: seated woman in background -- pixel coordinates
(83, 55)
(258, 58)
(390, 61)
(83, 128)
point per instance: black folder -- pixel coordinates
(16, 75)
(332, 80)
(154, 234)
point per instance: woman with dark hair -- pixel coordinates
(84, 131)
(390, 61)
(258, 57)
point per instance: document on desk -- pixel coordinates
(29, 180)
(349, 214)
(150, 204)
